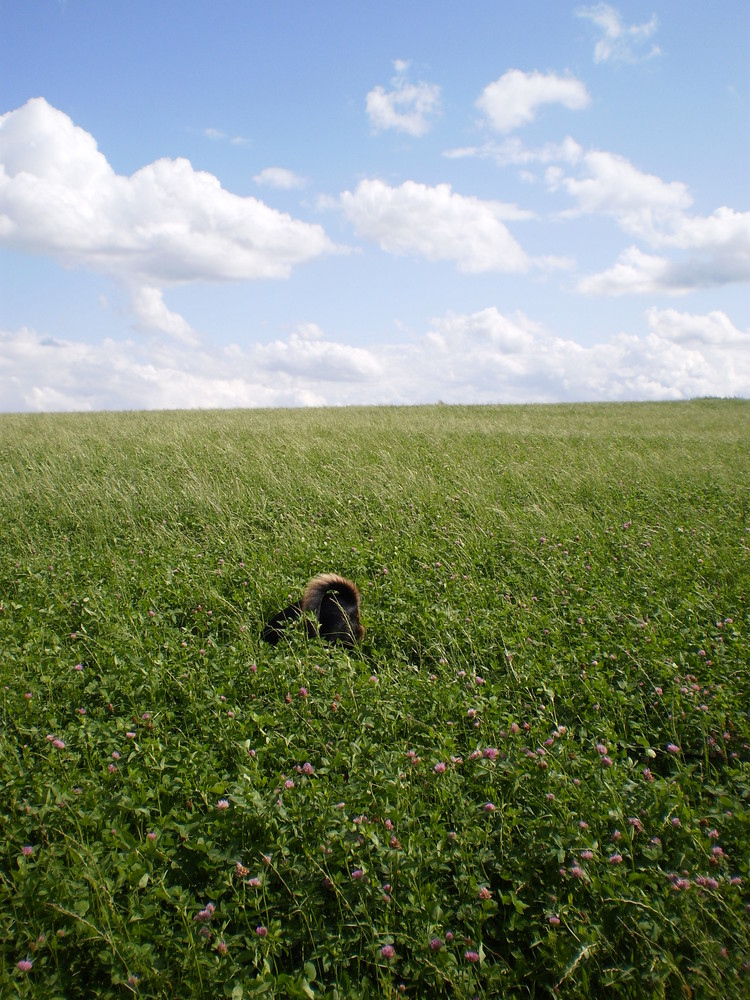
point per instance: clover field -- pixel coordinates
(531, 780)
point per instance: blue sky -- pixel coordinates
(263, 204)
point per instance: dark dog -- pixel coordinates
(333, 600)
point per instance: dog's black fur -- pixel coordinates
(333, 600)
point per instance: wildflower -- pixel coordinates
(221, 947)
(601, 748)
(489, 807)
(435, 944)
(439, 768)
(514, 728)
(647, 774)
(261, 931)
(713, 834)
(130, 735)
(115, 755)
(577, 872)
(606, 761)
(205, 915)
(388, 951)
(78, 667)
(471, 956)
(222, 804)
(491, 753)
(676, 822)
(449, 936)
(151, 836)
(636, 824)
(550, 796)
(303, 692)
(374, 679)
(357, 873)
(718, 852)
(583, 825)
(615, 859)
(254, 882)
(27, 850)
(58, 744)
(587, 855)
(471, 712)
(289, 783)
(554, 919)
(484, 893)
(307, 768)
(672, 748)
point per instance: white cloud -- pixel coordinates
(619, 42)
(634, 273)
(485, 356)
(515, 99)
(317, 359)
(216, 135)
(710, 250)
(643, 205)
(151, 313)
(512, 152)
(166, 224)
(279, 177)
(408, 107)
(437, 224)
(714, 329)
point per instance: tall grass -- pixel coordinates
(532, 779)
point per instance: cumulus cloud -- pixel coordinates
(619, 42)
(279, 177)
(166, 224)
(407, 107)
(486, 356)
(515, 98)
(707, 250)
(643, 205)
(151, 313)
(437, 224)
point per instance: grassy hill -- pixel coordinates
(532, 779)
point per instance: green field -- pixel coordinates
(532, 779)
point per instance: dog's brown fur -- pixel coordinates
(334, 601)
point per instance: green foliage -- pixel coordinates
(532, 779)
